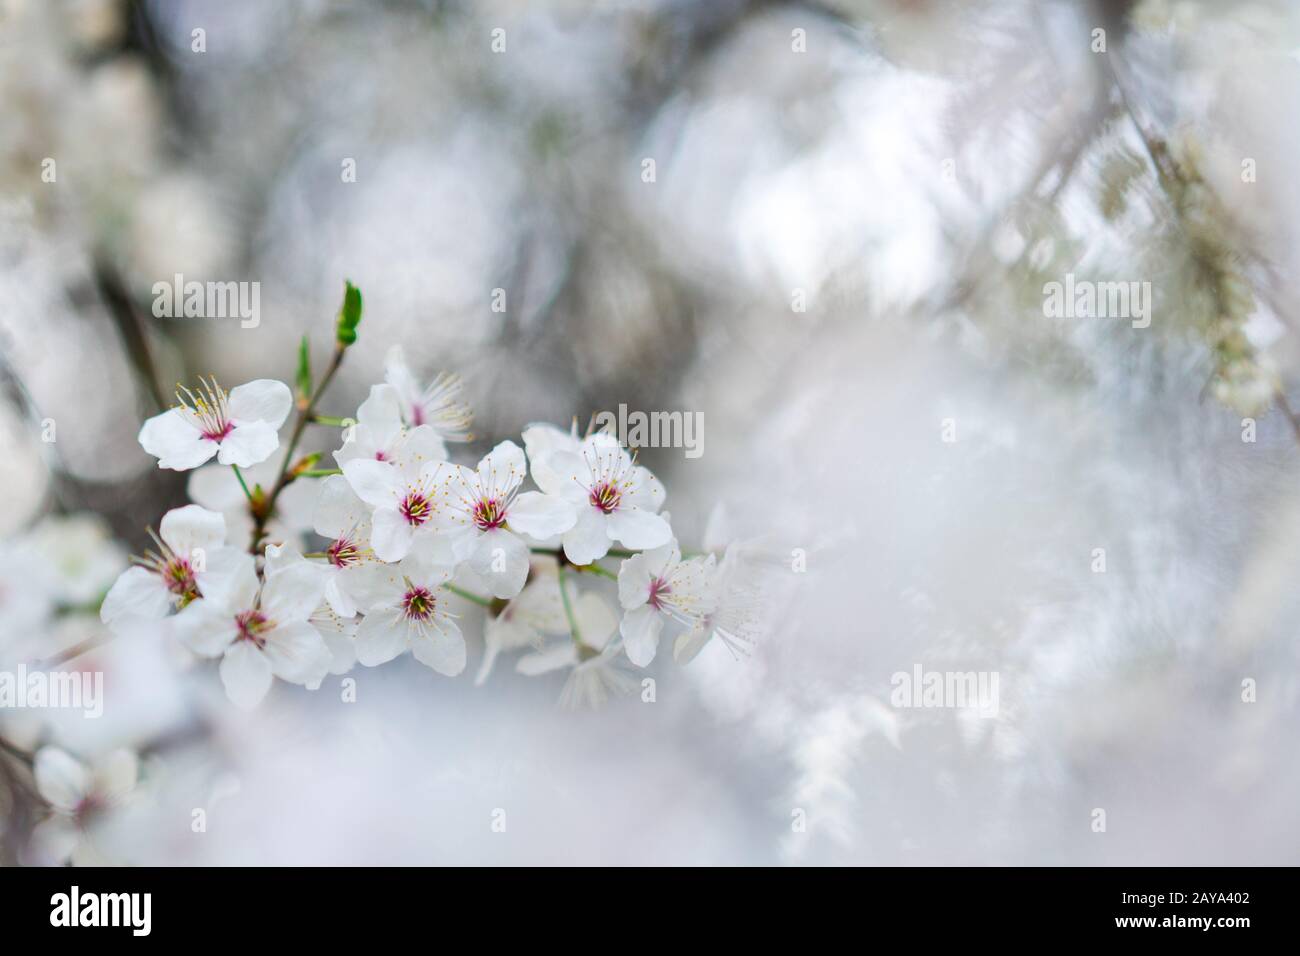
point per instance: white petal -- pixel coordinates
(246, 674)
(190, 527)
(418, 448)
(294, 593)
(338, 509)
(297, 653)
(382, 408)
(264, 400)
(639, 529)
(205, 628)
(390, 537)
(553, 658)
(640, 629)
(381, 636)
(54, 840)
(175, 442)
(541, 516)
(376, 585)
(377, 483)
(634, 582)
(502, 470)
(589, 539)
(230, 580)
(136, 595)
(442, 648)
(248, 444)
(337, 596)
(61, 779)
(646, 492)
(502, 560)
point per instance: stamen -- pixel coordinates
(207, 408)
(418, 603)
(416, 509)
(252, 627)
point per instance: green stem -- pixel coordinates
(331, 420)
(242, 483)
(568, 608)
(469, 595)
(304, 416)
(320, 472)
(596, 569)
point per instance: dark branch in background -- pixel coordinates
(131, 328)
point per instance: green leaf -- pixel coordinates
(304, 368)
(349, 314)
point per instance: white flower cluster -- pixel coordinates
(410, 538)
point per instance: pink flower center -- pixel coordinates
(252, 627)
(489, 513)
(178, 576)
(416, 509)
(418, 603)
(343, 553)
(659, 589)
(380, 456)
(88, 807)
(606, 495)
(417, 415)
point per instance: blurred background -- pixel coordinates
(827, 227)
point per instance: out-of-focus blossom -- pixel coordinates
(80, 796)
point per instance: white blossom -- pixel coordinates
(437, 404)
(483, 513)
(406, 609)
(616, 499)
(658, 586)
(260, 630)
(191, 561)
(79, 797)
(239, 427)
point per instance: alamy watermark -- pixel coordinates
(637, 429)
(209, 300)
(53, 690)
(1085, 299)
(946, 689)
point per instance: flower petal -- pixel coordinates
(338, 509)
(246, 674)
(185, 529)
(502, 470)
(589, 538)
(297, 653)
(541, 516)
(377, 483)
(61, 779)
(501, 558)
(442, 648)
(175, 442)
(206, 628)
(263, 400)
(382, 408)
(640, 629)
(137, 595)
(248, 444)
(639, 529)
(390, 538)
(381, 636)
